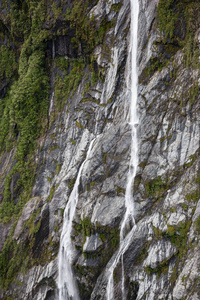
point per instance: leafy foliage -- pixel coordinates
(8, 63)
(68, 78)
(155, 187)
(177, 21)
(86, 31)
(24, 67)
(23, 113)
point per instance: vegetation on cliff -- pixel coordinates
(32, 66)
(28, 31)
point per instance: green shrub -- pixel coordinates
(8, 65)
(24, 110)
(155, 187)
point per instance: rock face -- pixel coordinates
(162, 261)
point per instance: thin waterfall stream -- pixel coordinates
(66, 283)
(128, 221)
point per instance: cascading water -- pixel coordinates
(128, 221)
(66, 284)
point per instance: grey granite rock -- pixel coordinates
(162, 261)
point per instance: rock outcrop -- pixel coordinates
(162, 261)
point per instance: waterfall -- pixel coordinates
(128, 221)
(66, 283)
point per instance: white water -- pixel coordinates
(66, 282)
(51, 104)
(128, 222)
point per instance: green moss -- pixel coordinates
(19, 257)
(86, 89)
(184, 206)
(104, 157)
(94, 78)
(155, 187)
(114, 237)
(90, 99)
(110, 239)
(85, 290)
(58, 168)
(172, 209)
(197, 179)
(86, 227)
(49, 179)
(85, 29)
(193, 93)
(24, 110)
(133, 288)
(143, 253)
(160, 269)
(193, 196)
(120, 190)
(162, 139)
(197, 224)
(192, 159)
(27, 106)
(19, 19)
(11, 262)
(178, 236)
(116, 7)
(56, 227)
(90, 185)
(158, 232)
(178, 21)
(73, 142)
(167, 17)
(137, 180)
(32, 225)
(71, 183)
(68, 79)
(102, 237)
(51, 194)
(8, 65)
(110, 100)
(54, 147)
(169, 137)
(8, 208)
(79, 125)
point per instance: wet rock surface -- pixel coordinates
(162, 261)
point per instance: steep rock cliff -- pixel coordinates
(81, 55)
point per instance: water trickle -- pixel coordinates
(128, 221)
(51, 104)
(66, 283)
